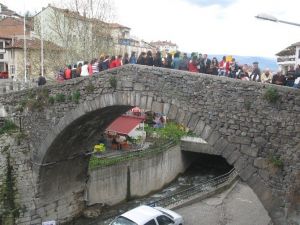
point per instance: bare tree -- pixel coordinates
(81, 27)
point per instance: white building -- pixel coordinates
(165, 46)
(5, 12)
(4, 42)
(289, 57)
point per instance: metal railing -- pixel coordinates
(125, 156)
(192, 192)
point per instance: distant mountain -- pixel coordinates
(264, 62)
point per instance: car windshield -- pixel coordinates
(122, 221)
(167, 214)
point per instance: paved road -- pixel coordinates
(240, 206)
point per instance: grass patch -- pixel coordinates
(8, 127)
(272, 95)
(60, 97)
(90, 88)
(76, 97)
(113, 82)
(276, 161)
(172, 132)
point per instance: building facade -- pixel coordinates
(289, 57)
(165, 46)
(16, 63)
(10, 28)
(5, 12)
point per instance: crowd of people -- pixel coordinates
(197, 63)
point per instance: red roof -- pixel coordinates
(124, 124)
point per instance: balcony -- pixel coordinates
(286, 60)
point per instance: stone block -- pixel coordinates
(172, 112)
(138, 99)
(240, 163)
(260, 141)
(143, 104)
(149, 104)
(157, 107)
(250, 151)
(213, 138)
(138, 87)
(220, 145)
(166, 108)
(240, 140)
(187, 118)
(247, 172)
(260, 163)
(228, 150)
(193, 122)
(206, 132)
(180, 116)
(233, 157)
(127, 84)
(199, 127)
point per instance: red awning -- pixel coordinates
(124, 124)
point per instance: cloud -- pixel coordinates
(222, 3)
(206, 25)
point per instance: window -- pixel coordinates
(12, 69)
(151, 222)
(123, 221)
(2, 66)
(163, 220)
(1, 56)
(299, 54)
(1, 45)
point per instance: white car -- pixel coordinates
(146, 215)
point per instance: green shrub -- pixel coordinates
(90, 88)
(113, 82)
(60, 97)
(272, 95)
(171, 131)
(8, 126)
(76, 97)
(51, 100)
(276, 161)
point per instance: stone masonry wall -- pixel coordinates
(231, 115)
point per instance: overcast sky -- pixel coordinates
(206, 26)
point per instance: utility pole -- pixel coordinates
(42, 46)
(25, 50)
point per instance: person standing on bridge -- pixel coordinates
(84, 69)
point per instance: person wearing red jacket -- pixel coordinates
(68, 72)
(224, 67)
(193, 64)
(113, 62)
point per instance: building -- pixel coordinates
(165, 46)
(15, 52)
(87, 37)
(10, 28)
(289, 57)
(5, 12)
(133, 44)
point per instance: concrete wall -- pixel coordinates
(109, 185)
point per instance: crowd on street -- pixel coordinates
(197, 63)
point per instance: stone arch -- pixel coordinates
(59, 164)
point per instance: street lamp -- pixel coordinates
(274, 19)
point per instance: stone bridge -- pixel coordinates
(61, 122)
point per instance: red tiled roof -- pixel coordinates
(124, 124)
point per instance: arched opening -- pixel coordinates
(63, 172)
